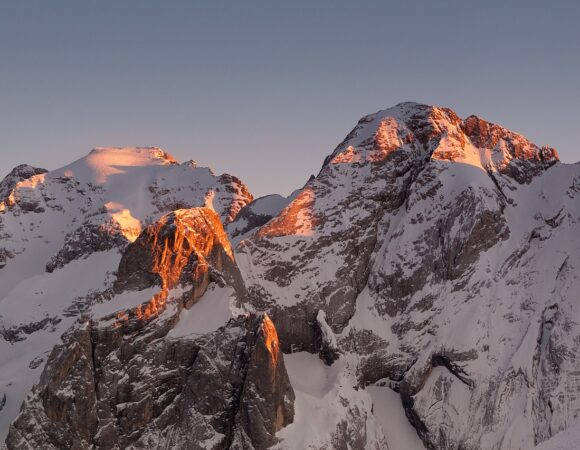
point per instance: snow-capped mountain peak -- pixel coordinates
(103, 162)
(62, 235)
(419, 292)
(423, 131)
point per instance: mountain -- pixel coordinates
(419, 292)
(62, 237)
(435, 255)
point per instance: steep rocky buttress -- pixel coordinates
(129, 379)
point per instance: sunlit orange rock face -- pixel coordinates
(488, 135)
(180, 249)
(271, 339)
(297, 219)
(153, 307)
(140, 314)
(272, 409)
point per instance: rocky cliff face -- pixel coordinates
(133, 386)
(175, 250)
(129, 379)
(19, 173)
(419, 292)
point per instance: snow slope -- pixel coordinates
(565, 440)
(321, 395)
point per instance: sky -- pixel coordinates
(265, 90)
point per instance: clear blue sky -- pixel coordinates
(266, 89)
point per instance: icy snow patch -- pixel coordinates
(123, 301)
(211, 312)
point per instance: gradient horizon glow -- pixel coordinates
(265, 90)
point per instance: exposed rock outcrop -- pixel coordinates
(124, 380)
(19, 173)
(114, 387)
(181, 248)
(91, 237)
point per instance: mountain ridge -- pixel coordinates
(431, 261)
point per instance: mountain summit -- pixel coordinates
(419, 292)
(424, 131)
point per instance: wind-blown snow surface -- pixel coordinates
(61, 237)
(321, 395)
(211, 312)
(565, 440)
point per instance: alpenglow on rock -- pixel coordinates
(419, 292)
